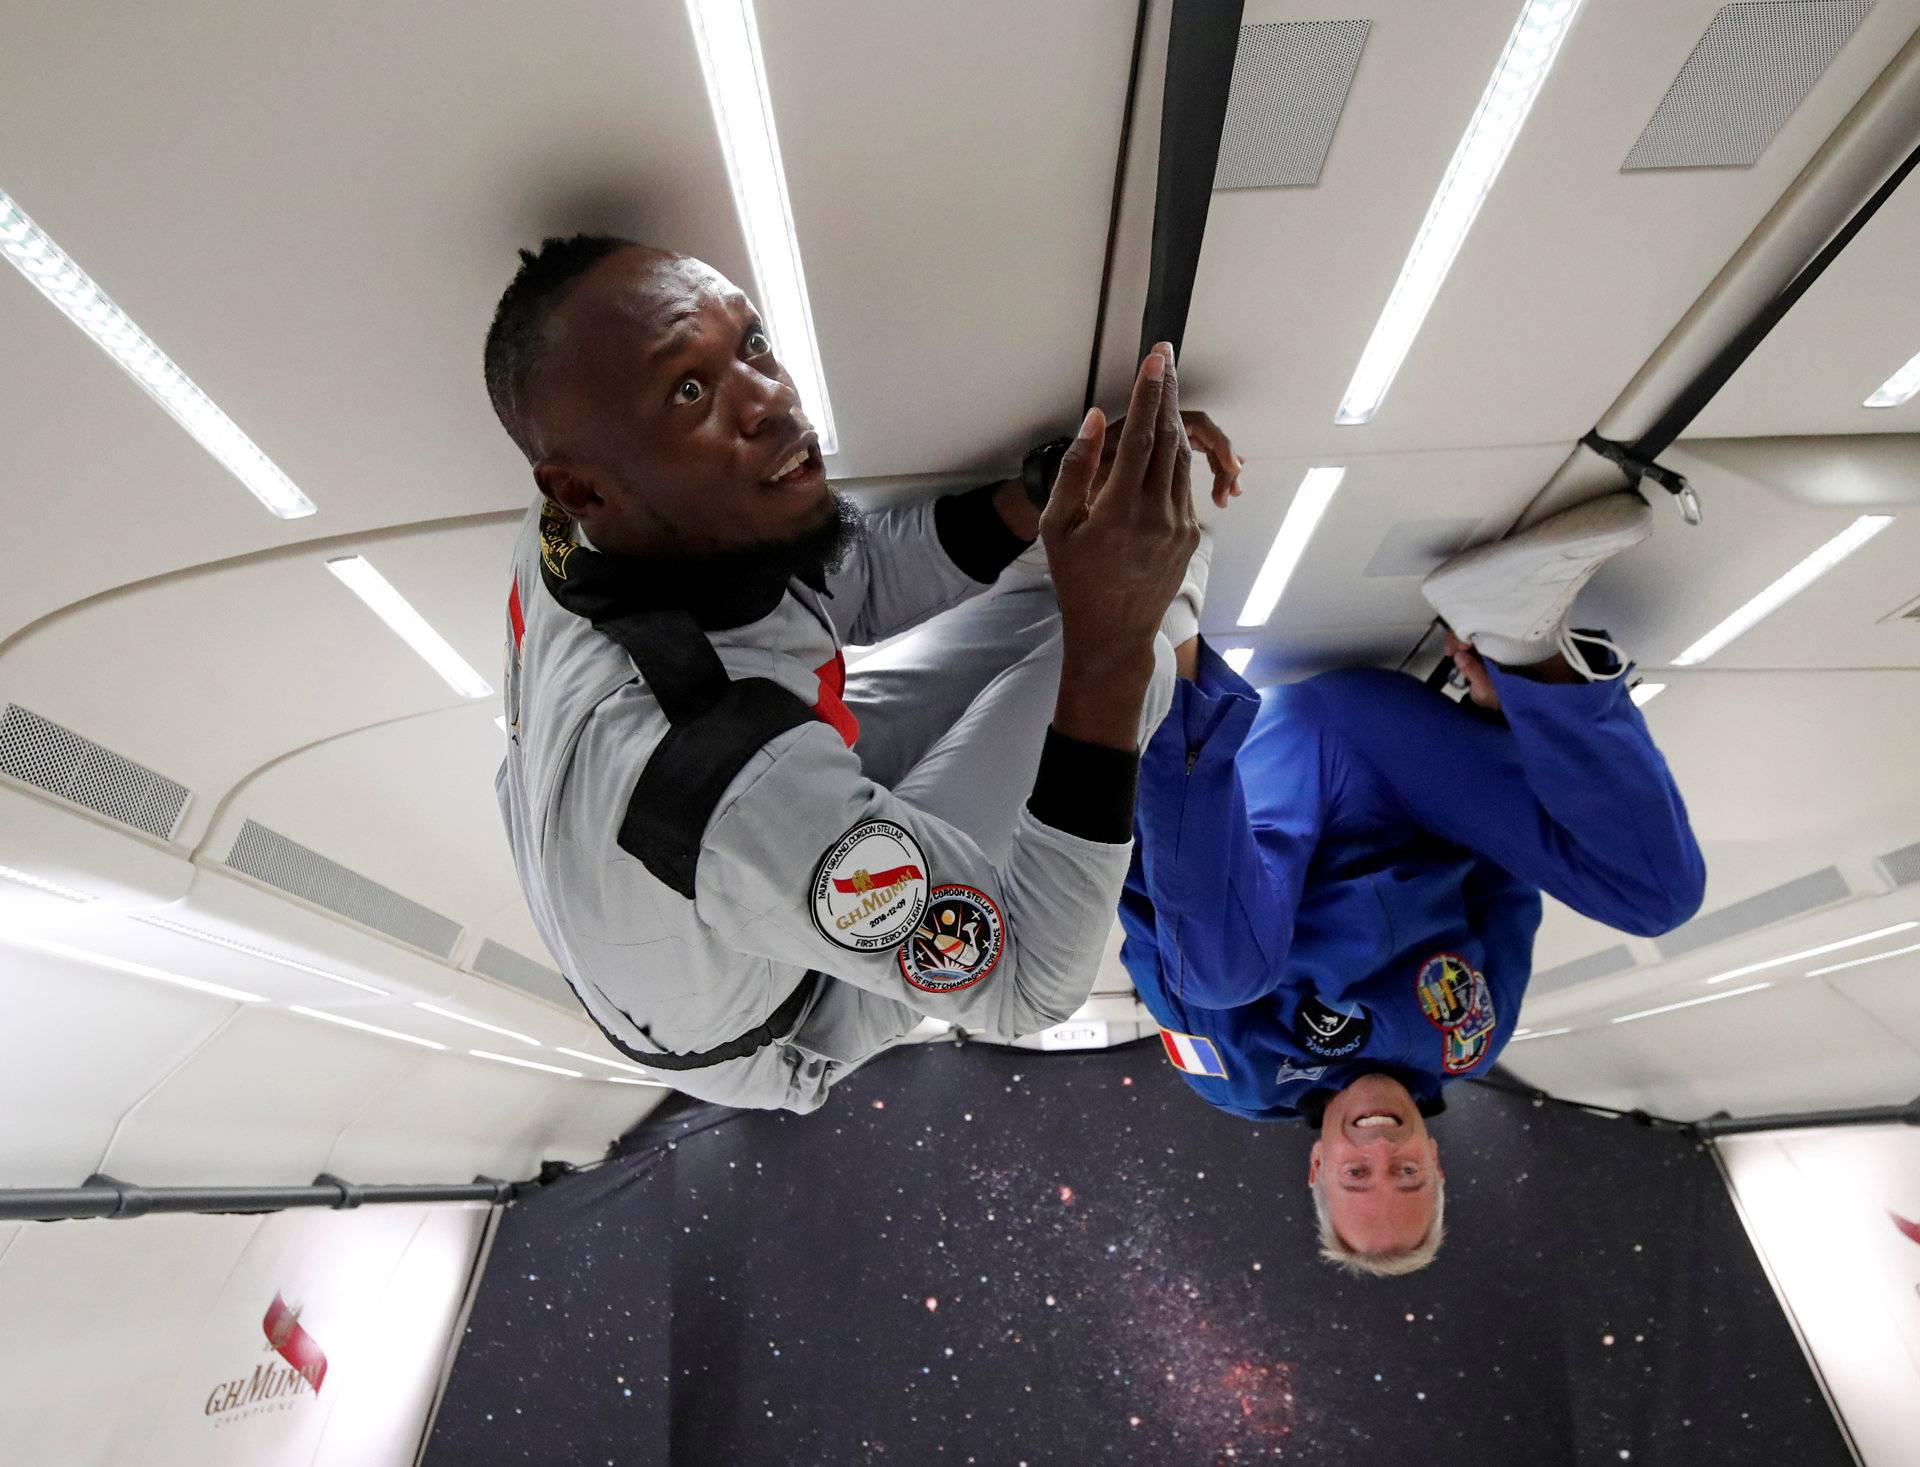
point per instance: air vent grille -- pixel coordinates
(1754, 65)
(1615, 959)
(272, 858)
(1290, 85)
(40, 752)
(1789, 900)
(1903, 865)
(496, 960)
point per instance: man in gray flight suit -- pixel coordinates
(756, 869)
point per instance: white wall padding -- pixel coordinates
(1290, 85)
(1825, 1208)
(1754, 65)
(142, 1343)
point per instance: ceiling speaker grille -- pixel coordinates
(1290, 85)
(42, 753)
(1749, 71)
(272, 858)
(1789, 900)
(1903, 865)
(1595, 965)
(496, 960)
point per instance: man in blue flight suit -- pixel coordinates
(1336, 883)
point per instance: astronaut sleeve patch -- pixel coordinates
(957, 942)
(870, 887)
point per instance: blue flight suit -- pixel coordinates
(1343, 875)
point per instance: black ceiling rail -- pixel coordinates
(1636, 460)
(1202, 38)
(1871, 1115)
(101, 1196)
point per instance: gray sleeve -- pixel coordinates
(807, 861)
(898, 576)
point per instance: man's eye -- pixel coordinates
(757, 344)
(688, 391)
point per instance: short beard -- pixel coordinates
(808, 556)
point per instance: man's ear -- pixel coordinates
(1313, 1165)
(574, 489)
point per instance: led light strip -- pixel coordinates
(620, 1080)
(167, 924)
(1815, 952)
(507, 1059)
(1237, 658)
(41, 884)
(728, 39)
(131, 969)
(1483, 149)
(82, 302)
(594, 1059)
(477, 1023)
(1520, 1036)
(1862, 962)
(357, 574)
(345, 1022)
(1688, 1003)
(1644, 693)
(1303, 517)
(1898, 388)
(1786, 588)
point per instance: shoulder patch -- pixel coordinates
(957, 942)
(1193, 1054)
(870, 887)
(1455, 998)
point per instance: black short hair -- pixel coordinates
(513, 341)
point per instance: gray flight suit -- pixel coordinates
(951, 720)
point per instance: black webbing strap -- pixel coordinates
(1636, 460)
(715, 725)
(1202, 37)
(779, 1024)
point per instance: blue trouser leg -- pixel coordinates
(1572, 797)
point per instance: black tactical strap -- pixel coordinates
(779, 1025)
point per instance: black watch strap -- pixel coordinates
(1040, 467)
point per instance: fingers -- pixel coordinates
(1207, 437)
(1137, 432)
(1073, 483)
(1172, 456)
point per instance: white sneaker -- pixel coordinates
(1510, 599)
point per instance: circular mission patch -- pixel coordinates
(870, 887)
(957, 943)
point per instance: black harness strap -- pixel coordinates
(778, 1025)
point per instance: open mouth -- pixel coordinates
(1376, 1119)
(800, 468)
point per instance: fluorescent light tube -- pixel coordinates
(1520, 1036)
(477, 1023)
(82, 302)
(619, 1080)
(729, 42)
(1815, 952)
(1667, 1008)
(1310, 502)
(1237, 658)
(132, 970)
(345, 1022)
(594, 1059)
(1477, 161)
(41, 884)
(1786, 588)
(169, 925)
(1898, 388)
(1862, 962)
(359, 576)
(507, 1059)
(1644, 693)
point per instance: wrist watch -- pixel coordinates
(1040, 467)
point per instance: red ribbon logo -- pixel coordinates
(293, 1344)
(877, 880)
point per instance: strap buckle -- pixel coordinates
(1636, 469)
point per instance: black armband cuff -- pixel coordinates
(974, 536)
(1085, 789)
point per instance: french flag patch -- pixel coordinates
(1193, 1055)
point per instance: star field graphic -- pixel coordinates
(984, 1256)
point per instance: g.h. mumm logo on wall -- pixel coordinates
(275, 1385)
